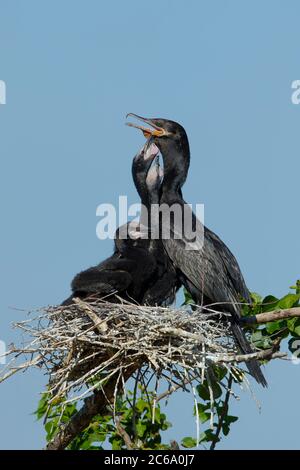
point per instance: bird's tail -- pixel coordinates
(252, 365)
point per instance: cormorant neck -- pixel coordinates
(139, 179)
(176, 157)
(140, 169)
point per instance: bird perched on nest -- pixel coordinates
(139, 269)
(205, 266)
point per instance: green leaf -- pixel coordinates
(86, 445)
(203, 407)
(230, 419)
(273, 326)
(296, 331)
(256, 298)
(203, 390)
(203, 415)
(225, 429)
(269, 303)
(51, 428)
(158, 416)
(261, 339)
(289, 301)
(294, 326)
(226, 424)
(48, 427)
(141, 405)
(166, 425)
(188, 299)
(257, 336)
(266, 343)
(188, 442)
(70, 410)
(220, 372)
(97, 437)
(208, 436)
(217, 391)
(296, 287)
(42, 406)
(141, 428)
(116, 443)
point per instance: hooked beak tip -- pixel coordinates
(155, 132)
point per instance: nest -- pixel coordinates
(83, 345)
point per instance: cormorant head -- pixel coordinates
(166, 134)
(171, 139)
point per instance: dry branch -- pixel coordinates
(272, 316)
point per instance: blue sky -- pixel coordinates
(73, 69)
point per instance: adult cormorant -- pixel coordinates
(139, 269)
(210, 273)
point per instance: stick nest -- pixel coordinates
(82, 345)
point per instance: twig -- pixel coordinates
(134, 402)
(101, 325)
(271, 316)
(124, 435)
(261, 355)
(173, 388)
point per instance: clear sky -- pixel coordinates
(73, 69)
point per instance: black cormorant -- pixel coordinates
(139, 269)
(211, 273)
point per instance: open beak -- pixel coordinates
(156, 131)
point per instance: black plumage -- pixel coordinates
(207, 268)
(139, 270)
